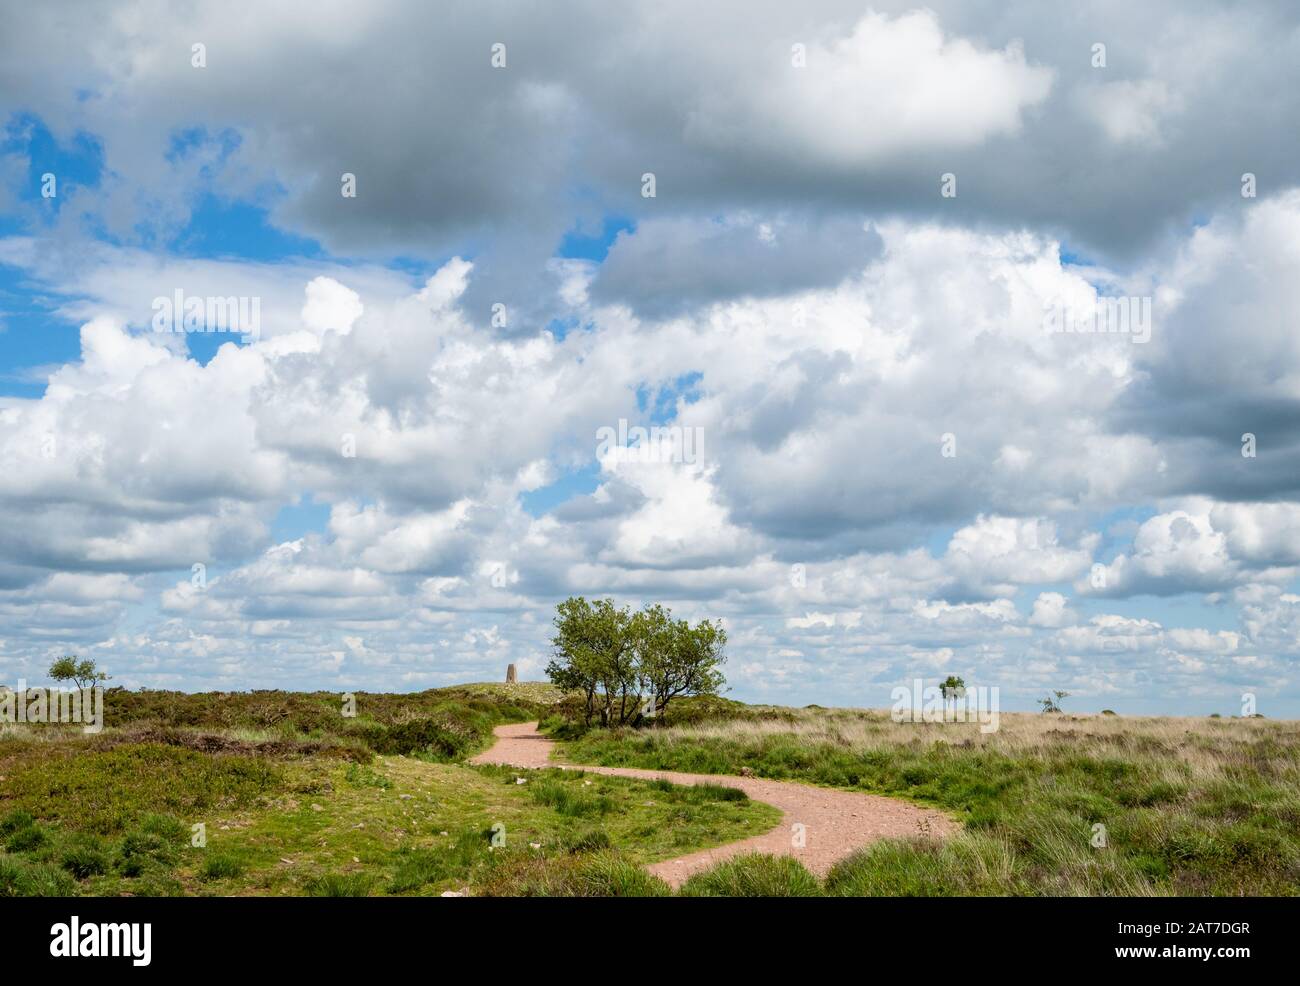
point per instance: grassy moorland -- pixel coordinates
(1053, 804)
(295, 798)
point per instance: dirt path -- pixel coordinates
(835, 822)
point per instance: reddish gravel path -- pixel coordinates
(835, 822)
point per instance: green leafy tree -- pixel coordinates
(82, 673)
(629, 666)
(593, 654)
(952, 689)
(675, 658)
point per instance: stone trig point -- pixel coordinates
(511, 676)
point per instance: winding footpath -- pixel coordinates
(835, 822)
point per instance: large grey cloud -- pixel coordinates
(451, 153)
(669, 267)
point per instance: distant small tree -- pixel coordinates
(1053, 704)
(82, 673)
(952, 689)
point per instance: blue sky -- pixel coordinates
(391, 483)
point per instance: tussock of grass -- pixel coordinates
(143, 848)
(704, 793)
(16, 819)
(697, 793)
(19, 878)
(222, 866)
(365, 776)
(753, 875)
(418, 868)
(26, 839)
(568, 800)
(600, 874)
(588, 840)
(341, 885)
(973, 866)
(84, 857)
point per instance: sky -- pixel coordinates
(844, 256)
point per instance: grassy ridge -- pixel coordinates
(444, 724)
(297, 798)
(1184, 806)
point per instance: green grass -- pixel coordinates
(103, 816)
(974, 865)
(341, 885)
(567, 800)
(101, 790)
(598, 874)
(433, 827)
(84, 857)
(365, 776)
(27, 839)
(222, 866)
(297, 798)
(417, 867)
(21, 878)
(754, 875)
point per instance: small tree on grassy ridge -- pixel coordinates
(82, 673)
(952, 689)
(1053, 704)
